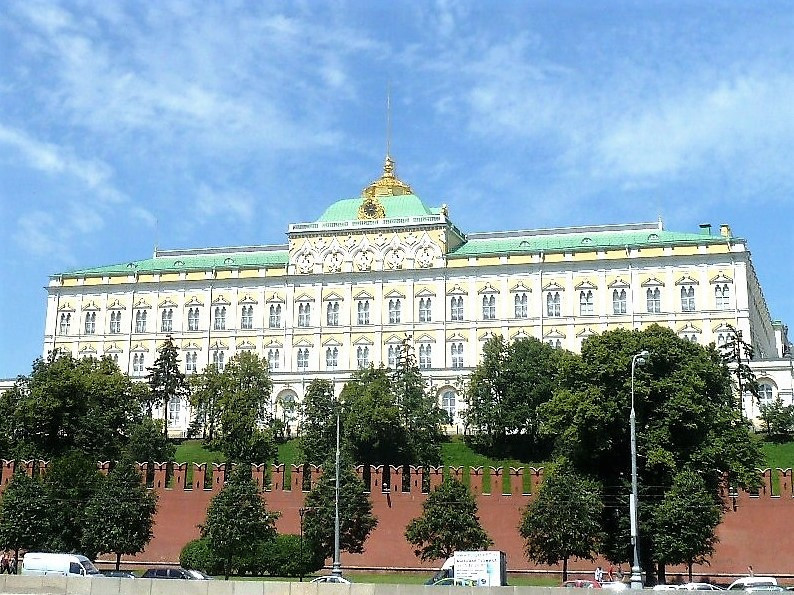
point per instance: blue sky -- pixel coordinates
(196, 124)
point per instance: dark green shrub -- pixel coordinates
(282, 556)
(197, 555)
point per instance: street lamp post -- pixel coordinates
(636, 571)
(336, 569)
(302, 512)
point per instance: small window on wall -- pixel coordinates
(688, 298)
(363, 312)
(191, 359)
(193, 319)
(456, 308)
(332, 358)
(140, 321)
(722, 296)
(247, 318)
(449, 402)
(456, 352)
(394, 311)
(303, 359)
(332, 314)
(653, 298)
(115, 322)
(66, 321)
(425, 356)
(556, 343)
(219, 359)
(521, 305)
(618, 301)
(166, 320)
(553, 304)
(273, 359)
(362, 356)
(586, 302)
(90, 323)
(393, 354)
(489, 307)
(425, 310)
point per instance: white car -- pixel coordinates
(699, 587)
(664, 588)
(331, 578)
(746, 582)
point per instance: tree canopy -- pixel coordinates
(166, 380)
(318, 429)
(686, 419)
(238, 519)
(449, 522)
(24, 514)
(563, 521)
(120, 515)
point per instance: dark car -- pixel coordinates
(117, 574)
(176, 573)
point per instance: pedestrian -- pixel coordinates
(599, 574)
(611, 573)
(5, 563)
(750, 570)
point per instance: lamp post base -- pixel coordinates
(636, 577)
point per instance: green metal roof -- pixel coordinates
(405, 205)
(577, 242)
(174, 263)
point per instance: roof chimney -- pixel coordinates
(705, 229)
(725, 230)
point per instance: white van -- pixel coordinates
(63, 564)
(746, 582)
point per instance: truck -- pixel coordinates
(485, 568)
(41, 563)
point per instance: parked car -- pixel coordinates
(614, 586)
(664, 588)
(459, 582)
(331, 578)
(741, 584)
(699, 587)
(581, 584)
(175, 573)
(763, 588)
(117, 574)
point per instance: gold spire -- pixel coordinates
(388, 184)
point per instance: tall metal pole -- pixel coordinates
(636, 571)
(337, 567)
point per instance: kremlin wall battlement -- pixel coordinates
(755, 529)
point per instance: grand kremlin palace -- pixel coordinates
(349, 289)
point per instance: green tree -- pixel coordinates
(318, 429)
(166, 380)
(120, 515)
(244, 434)
(238, 519)
(686, 521)
(418, 409)
(485, 396)
(147, 442)
(372, 427)
(778, 419)
(686, 418)
(449, 522)
(68, 403)
(24, 515)
(70, 484)
(737, 353)
(205, 398)
(563, 521)
(356, 520)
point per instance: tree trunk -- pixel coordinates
(565, 569)
(165, 417)
(118, 560)
(16, 562)
(660, 574)
(227, 568)
(689, 568)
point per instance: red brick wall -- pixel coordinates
(755, 530)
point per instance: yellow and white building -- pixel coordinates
(348, 289)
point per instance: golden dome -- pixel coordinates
(388, 184)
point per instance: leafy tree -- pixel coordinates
(120, 515)
(372, 427)
(686, 419)
(243, 435)
(238, 519)
(737, 354)
(506, 390)
(205, 397)
(70, 484)
(318, 430)
(449, 522)
(685, 522)
(563, 521)
(68, 403)
(356, 520)
(284, 556)
(24, 515)
(147, 442)
(166, 380)
(419, 413)
(198, 555)
(777, 418)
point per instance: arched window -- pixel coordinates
(425, 310)
(166, 320)
(247, 318)
(618, 301)
(363, 312)
(362, 356)
(219, 359)
(449, 401)
(303, 359)
(273, 361)
(521, 305)
(90, 323)
(425, 356)
(304, 314)
(688, 298)
(394, 311)
(456, 353)
(332, 314)
(722, 296)
(765, 394)
(553, 304)
(489, 307)
(191, 357)
(653, 299)
(274, 320)
(140, 321)
(332, 358)
(456, 307)
(193, 319)
(586, 302)
(220, 318)
(115, 322)
(392, 357)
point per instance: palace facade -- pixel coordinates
(349, 289)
